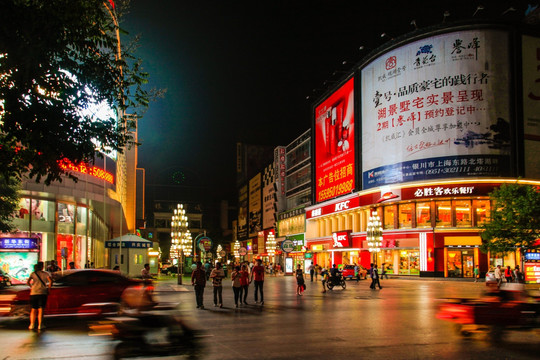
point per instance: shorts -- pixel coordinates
(38, 301)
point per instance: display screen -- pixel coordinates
(437, 108)
(18, 265)
(334, 144)
(532, 272)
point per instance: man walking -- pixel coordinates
(198, 279)
(311, 269)
(258, 274)
(498, 275)
(374, 274)
(217, 276)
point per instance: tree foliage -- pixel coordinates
(59, 59)
(514, 219)
(9, 201)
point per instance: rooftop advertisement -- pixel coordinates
(437, 108)
(334, 144)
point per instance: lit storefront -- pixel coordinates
(291, 226)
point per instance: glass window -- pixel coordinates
(454, 263)
(423, 214)
(444, 213)
(81, 220)
(43, 215)
(389, 215)
(66, 218)
(405, 215)
(463, 213)
(481, 211)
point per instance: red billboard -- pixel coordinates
(334, 144)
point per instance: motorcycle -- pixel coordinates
(148, 331)
(338, 280)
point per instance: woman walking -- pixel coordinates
(300, 283)
(40, 282)
(236, 284)
(244, 282)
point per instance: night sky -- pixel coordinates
(240, 70)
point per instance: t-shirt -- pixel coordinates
(258, 273)
(39, 287)
(217, 275)
(236, 279)
(244, 278)
(198, 277)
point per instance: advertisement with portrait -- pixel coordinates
(243, 212)
(335, 144)
(255, 208)
(531, 104)
(437, 108)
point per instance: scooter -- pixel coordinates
(336, 281)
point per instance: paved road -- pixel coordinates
(397, 322)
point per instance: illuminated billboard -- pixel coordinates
(335, 144)
(255, 206)
(437, 108)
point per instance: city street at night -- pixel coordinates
(397, 322)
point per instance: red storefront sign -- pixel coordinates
(342, 239)
(343, 205)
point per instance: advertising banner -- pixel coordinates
(437, 108)
(531, 104)
(268, 206)
(334, 144)
(242, 212)
(255, 208)
(18, 265)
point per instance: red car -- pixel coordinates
(349, 273)
(82, 292)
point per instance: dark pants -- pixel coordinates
(237, 294)
(218, 292)
(312, 272)
(199, 292)
(244, 293)
(374, 283)
(259, 285)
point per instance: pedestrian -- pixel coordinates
(236, 276)
(244, 281)
(374, 273)
(145, 272)
(53, 267)
(198, 280)
(317, 271)
(258, 274)
(311, 269)
(383, 271)
(518, 275)
(498, 275)
(207, 269)
(300, 283)
(324, 278)
(508, 274)
(71, 265)
(476, 273)
(217, 276)
(357, 272)
(40, 283)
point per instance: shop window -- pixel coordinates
(66, 218)
(444, 213)
(423, 214)
(481, 211)
(463, 213)
(406, 215)
(389, 215)
(43, 215)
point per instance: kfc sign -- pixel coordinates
(343, 205)
(342, 239)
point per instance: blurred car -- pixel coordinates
(349, 273)
(490, 278)
(82, 292)
(5, 280)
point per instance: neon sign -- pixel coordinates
(84, 168)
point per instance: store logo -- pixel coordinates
(316, 212)
(342, 206)
(341, 239)
(391, 62)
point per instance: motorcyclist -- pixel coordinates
(335, 275)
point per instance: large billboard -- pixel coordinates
(243, 213)
(531, 105)
(255, 205)
(437, 108)
(335, 144)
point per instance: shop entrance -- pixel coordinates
(460, 263)
(409, 262)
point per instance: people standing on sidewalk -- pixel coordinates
(311, 269)
(508, 274)
(258, 274)
(198, 280)
(244, 281)
(40, 283)
(217, 276)
(236, 276)
(476, 273)
(498, 275)
(300, 283)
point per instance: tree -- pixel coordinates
(59, 59)
(8, 202)
(514, 219)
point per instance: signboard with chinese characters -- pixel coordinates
(243, 213)
(433, 109)
(343, 205)
(255, 206)
(532, 272)
(335, 144)
(128, 244)
(19, 243)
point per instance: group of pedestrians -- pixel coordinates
(511, 276)
(241, 278)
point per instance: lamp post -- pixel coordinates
(180, 235)
(374, 235)
(271, 246)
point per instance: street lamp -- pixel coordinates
(271, 245)
(180, 235)
(374, 235)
